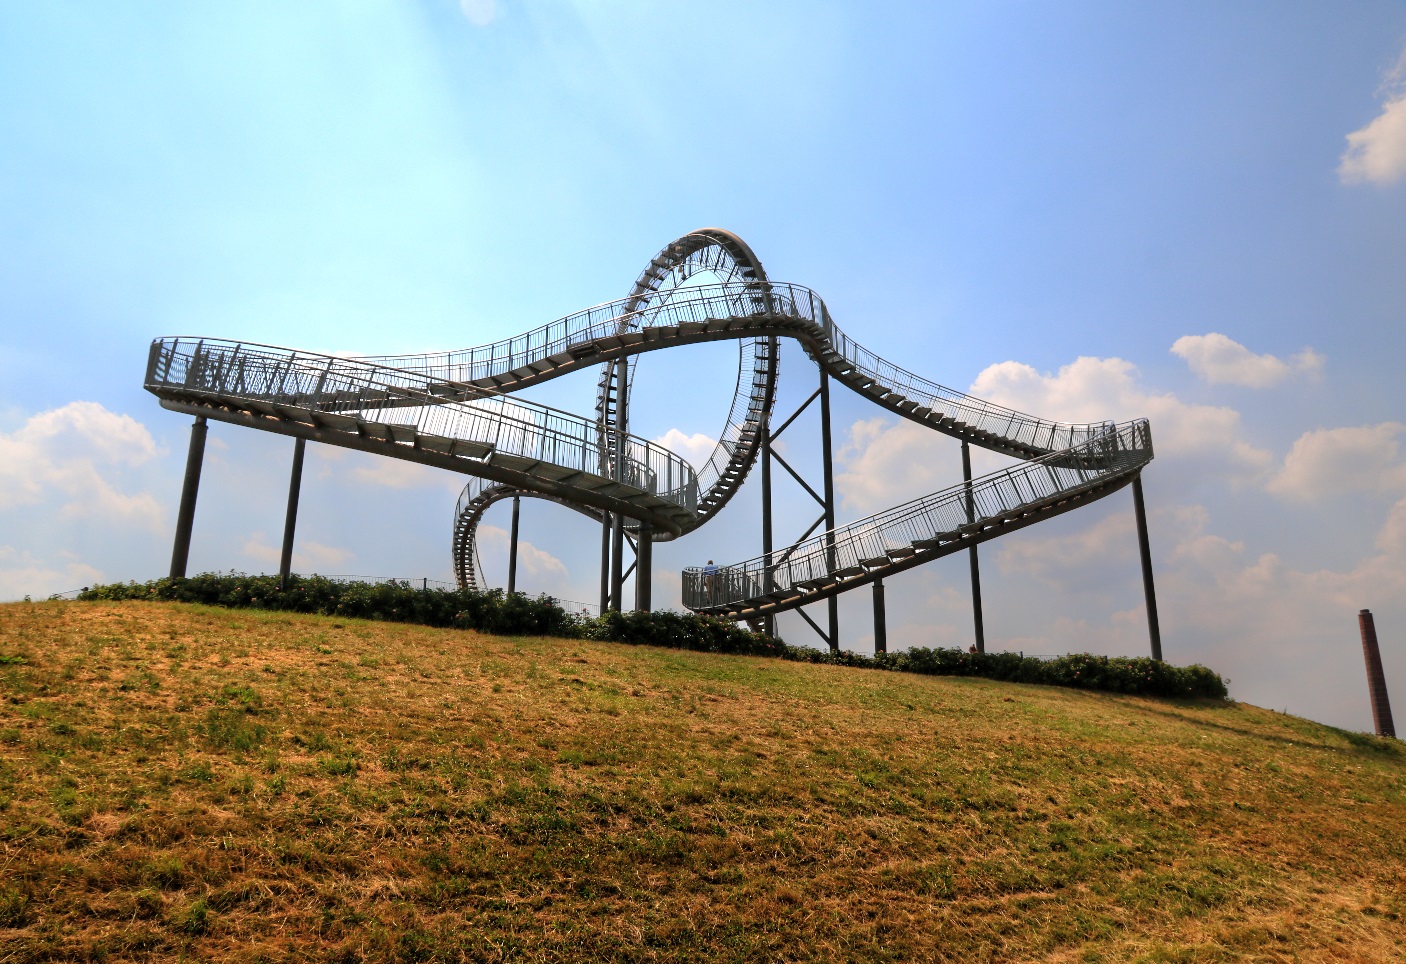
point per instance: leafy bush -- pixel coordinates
(493, 611)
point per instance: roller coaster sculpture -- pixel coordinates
(456, 410)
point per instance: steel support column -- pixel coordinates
(185, 516)
(833, 603)
(290, 519)
(881, 629)
(1154, 632)
(769, 622)
(617, 562)
(617, 538)
(978, 620)
(512, 547)
(644, 560)
(607, 520)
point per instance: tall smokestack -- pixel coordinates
(1376, 679)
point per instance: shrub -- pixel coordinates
(493, 611)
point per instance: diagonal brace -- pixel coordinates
(796, 475)
(796, 414)
(820, 632)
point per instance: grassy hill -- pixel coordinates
(187, 781)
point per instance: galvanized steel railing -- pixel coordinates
(347, 392)
(796, 307)
(927, 522)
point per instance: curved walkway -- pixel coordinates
(451, 410)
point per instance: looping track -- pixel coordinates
(452, 410)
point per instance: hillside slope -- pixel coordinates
(236, 785)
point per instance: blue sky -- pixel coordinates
(1190, 212)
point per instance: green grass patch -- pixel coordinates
(480, 797)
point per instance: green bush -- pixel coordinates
(493, 611)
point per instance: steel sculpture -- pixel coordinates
(455, 410)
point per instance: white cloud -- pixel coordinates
(1392, 538)
(74, 452)
(1377, 153)
(480, 13)
(1060, 560)
(1285, 634)
(1094, 389)
(885, 462)
(308, 556)
(536, 561)
(1334, 461)
(381, 471)
(1223, 361)
(21, 574)
(696, 448)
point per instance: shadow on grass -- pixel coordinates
(1378, 746)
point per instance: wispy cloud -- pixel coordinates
(1222, 360)
(480, 13)
(22, 574)
(308, 556)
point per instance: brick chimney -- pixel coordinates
(1376, 679)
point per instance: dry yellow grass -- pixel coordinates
(180, 781)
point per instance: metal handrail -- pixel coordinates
(926, 522)
(806, 316)
(408, 407)
(451, 403)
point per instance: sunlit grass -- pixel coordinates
(179, 780)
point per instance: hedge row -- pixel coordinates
(519, 615)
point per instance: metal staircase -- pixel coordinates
(452, 410)
(936, 525)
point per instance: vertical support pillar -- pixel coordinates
(512, 547)
(978, 619)
(833, 604)
(1149, 591)
(607, 520)
(617, 559)
(768, 622)
(185, 516)
(1376, 678)
(881, 629)
(617, 538)
(290, 520)
(644, 561)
